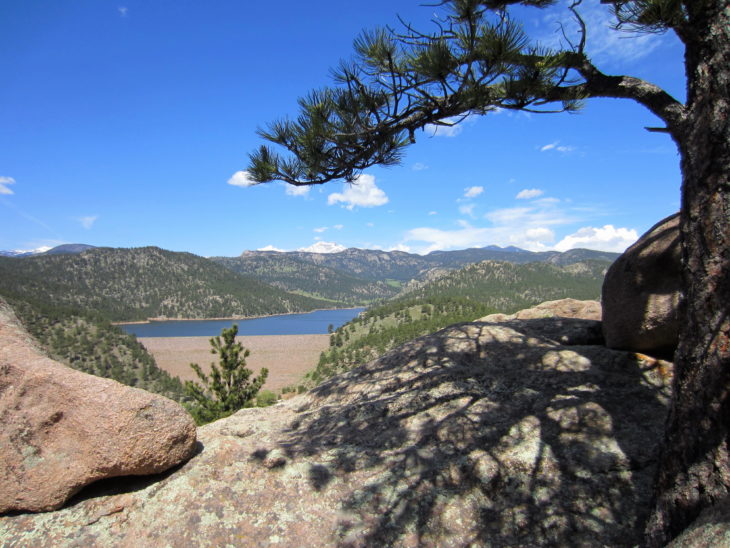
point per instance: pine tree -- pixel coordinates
(478, 60)
(228, 387)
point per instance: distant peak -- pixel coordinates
(510, 248)
(25, 252)
(323, 247)
(68, 249)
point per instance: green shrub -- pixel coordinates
(266, 398)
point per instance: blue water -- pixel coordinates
(311, 323)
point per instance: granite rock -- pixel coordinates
(63, 429)
(641, 293)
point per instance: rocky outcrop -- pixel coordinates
(563, 308)
(641, 293)
(63, 429)
(480, 434)
(548, 320)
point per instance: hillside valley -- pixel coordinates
(67, 297)
(450, 297)
(298, 275)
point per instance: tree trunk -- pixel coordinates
(694, 467)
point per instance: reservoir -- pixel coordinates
(310, 323)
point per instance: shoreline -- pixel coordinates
(230, 318)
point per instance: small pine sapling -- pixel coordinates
(229, 386)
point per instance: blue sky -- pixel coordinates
(128, 124)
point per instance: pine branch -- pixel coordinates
(478, 61)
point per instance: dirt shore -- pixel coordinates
(287, 357)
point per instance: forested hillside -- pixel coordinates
(364, 264)
(135, 284)
(290, 273)
(454, 296)
(398, 266)
(91, 344)
(502, 285)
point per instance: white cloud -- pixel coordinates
(418, 166)
(362, 192)
(473, 191)
(467, 209)
(447, 239)
(4, 182)
(539, 234)
(433, 212)
(532, 239)
(509, 215)
(540, 213)
(323, 247)
(294, 190)
(88, 221)
(607, 238)
(400, 247)
(529, 227)
(544, 202)
(270, 248)
(321, 229)
(548, 147)
(370, 225)
(242, 179)
(123, 10)
(444, 131)
(557, 147)
(455, 128)
(529, 193)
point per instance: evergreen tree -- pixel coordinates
(228, 387)
(479, 60)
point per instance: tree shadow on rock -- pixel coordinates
(489, 434)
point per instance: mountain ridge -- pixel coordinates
(139, 283)
(401, 266)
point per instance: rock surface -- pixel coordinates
(710, 530)
(481, 434)
(563, 308)
(641, 293)
(63, 429)
(548, 320)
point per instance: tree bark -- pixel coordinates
(694, 467)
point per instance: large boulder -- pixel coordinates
(641, 293)
(482, 434)
(63, 429)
